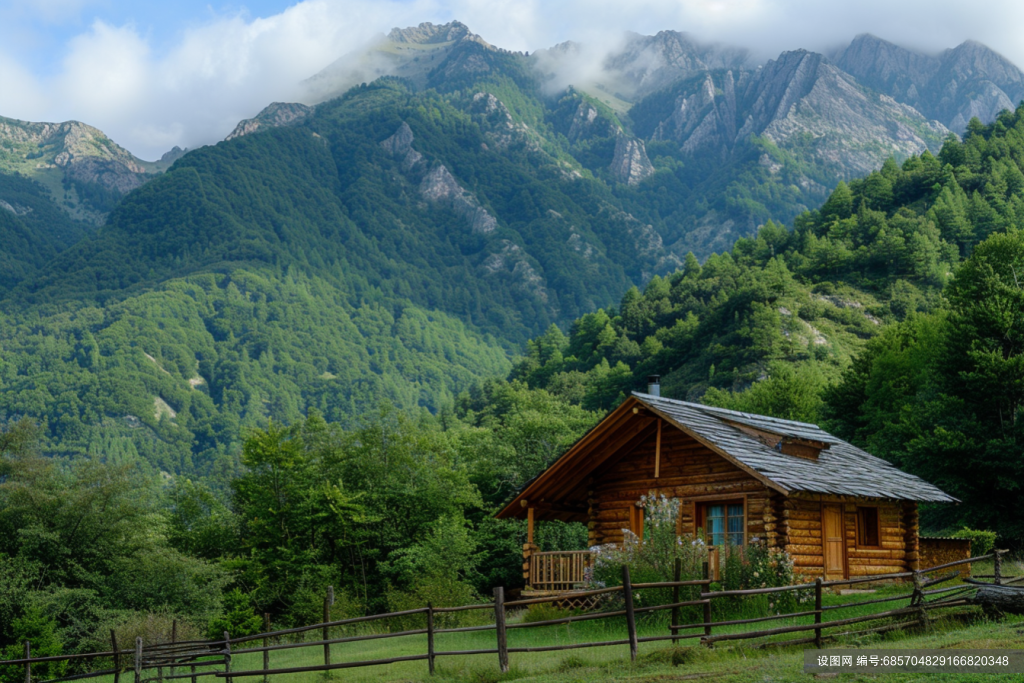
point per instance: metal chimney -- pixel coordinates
(654, 385)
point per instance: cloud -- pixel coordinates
(149, 95)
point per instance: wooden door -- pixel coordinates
(833, 541)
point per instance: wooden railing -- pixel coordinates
(195, 659)
(559, 571)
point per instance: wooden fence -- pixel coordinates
(197, 659)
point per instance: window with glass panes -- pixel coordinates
(723, 522)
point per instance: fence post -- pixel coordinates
(117, 656)
(677, 577)
(917, 599)
(707, 623)
(28, 665)
(430, 637)
(266, 643)
(227, 655)
(817, 612)
(997, 563)
(138, 659)
(627, 589)
(174, 639)
(499, 623)
(327, 618)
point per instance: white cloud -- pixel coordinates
(230, 66)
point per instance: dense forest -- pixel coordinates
(893, 314)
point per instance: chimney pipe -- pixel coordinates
(654, 385)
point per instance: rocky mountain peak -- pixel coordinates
(274, 115)
(71, 151)
(649, 63)
(431, 34)
(886, 67)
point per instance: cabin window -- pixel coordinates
(868, 532)
(723, 522)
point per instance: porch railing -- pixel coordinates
(556, 571)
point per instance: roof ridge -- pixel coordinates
(715, 409)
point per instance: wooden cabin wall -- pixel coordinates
(688, 469)
(801, 527)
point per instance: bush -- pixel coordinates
(440, 590)
(41, 630)
(239, 618)
(546, 612)
(652, 559)
(982, 542)
(152, 627)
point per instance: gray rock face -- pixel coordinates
(703, 118)
(440, 187)
(649, 63)
(428, 33)
(630, 164)
(75, 151)
(509, 260)
(399, 146)
(16, 209)
(275, 115)
(969, 80)
(798, 97)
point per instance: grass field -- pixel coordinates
(657, 661)
(962, 627)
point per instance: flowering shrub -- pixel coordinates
(652, 560)
(755, 566)
(758, 566)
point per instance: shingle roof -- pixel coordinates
(841, 469)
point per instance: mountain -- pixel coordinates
(647, 64)
(392, 246)
(409, 53)
(953, 87)
(791, 129)
(85, 172)
(397, 242)
(784, 313)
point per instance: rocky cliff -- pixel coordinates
(85, 171)
(954, 86)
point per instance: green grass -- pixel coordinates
(725, 661)
(657, 661)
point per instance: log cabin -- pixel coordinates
(838, 511)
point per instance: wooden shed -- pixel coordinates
(838, 511)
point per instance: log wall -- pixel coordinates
(936, 551)
(801, 525)
(688, 470)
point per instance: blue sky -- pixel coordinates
(41, 28)
(157, 74)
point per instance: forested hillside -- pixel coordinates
(912, 274)
(394, 247)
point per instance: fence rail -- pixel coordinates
(193, 655)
